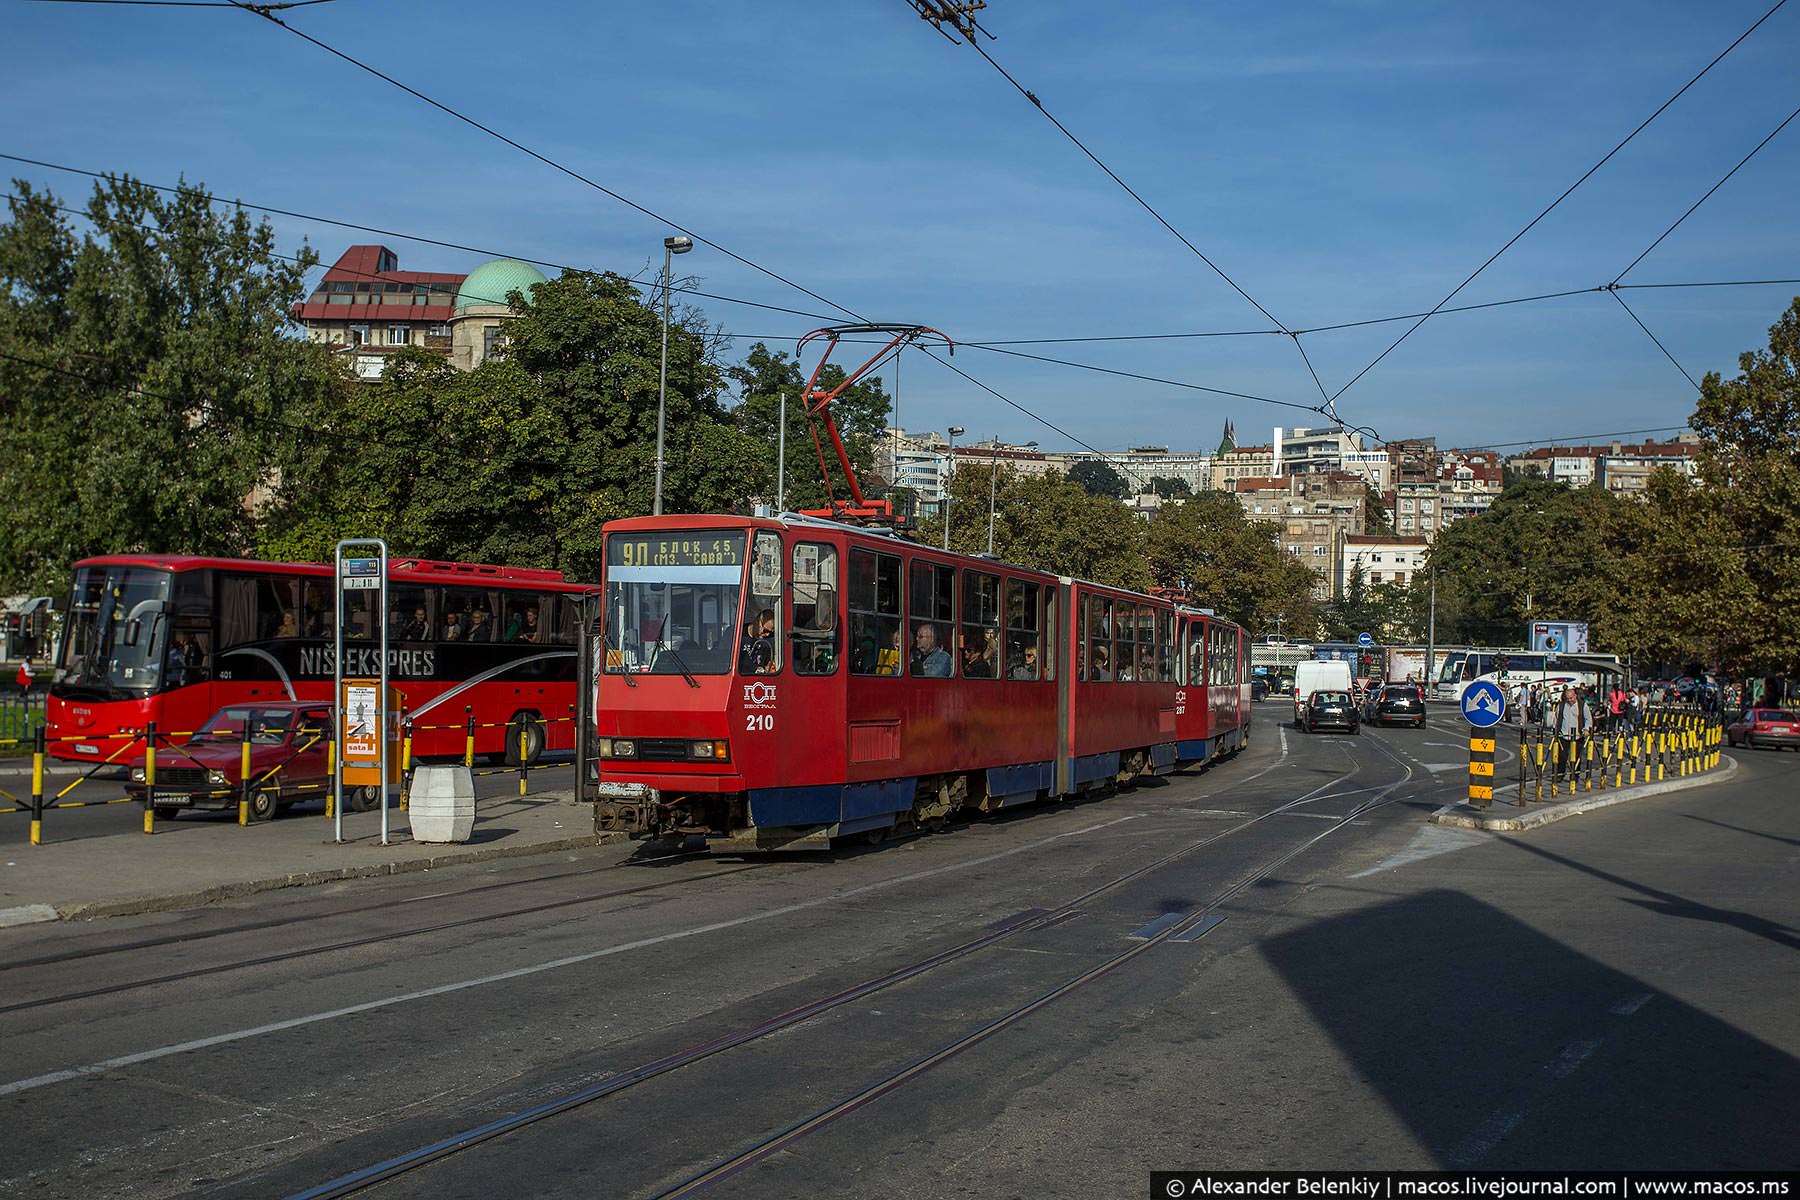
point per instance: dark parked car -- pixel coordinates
(1759, 727)
(1259, 687)
(1395, 704)
(206, 771)
(1330, 710)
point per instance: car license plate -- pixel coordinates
(84, 748)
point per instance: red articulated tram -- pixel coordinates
(773, 682)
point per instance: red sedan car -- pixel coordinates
(1759, 727)
(206, 771)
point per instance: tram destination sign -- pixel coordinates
(675, 550)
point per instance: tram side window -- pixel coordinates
(1165, 647)
(814, 588)
(933, 615)
(764, 602)
(1051, 647)
(1124, 641)
(1022, 641)
(1196, 654)
(980, 647)
(1099, 646)
(876, 641)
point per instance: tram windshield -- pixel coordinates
(672, 601)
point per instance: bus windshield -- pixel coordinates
(672, 601)
(113, 633)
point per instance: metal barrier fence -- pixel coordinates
(259, 793)
(1670, 742)
(20, 715)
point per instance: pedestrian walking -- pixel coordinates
(1571, 723)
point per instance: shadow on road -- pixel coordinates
(1500, 1047)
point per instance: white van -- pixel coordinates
(1310, 677)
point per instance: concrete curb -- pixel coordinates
(171, 901)
(1461, 816)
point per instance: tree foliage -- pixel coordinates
(1044, 521)
(1207, 547)
(151, 382)
(1098, 478)
(523, 459)
(860, 414)
(1375, 514)
(1169, 488)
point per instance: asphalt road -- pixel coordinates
(968, 1013)
(101, 820)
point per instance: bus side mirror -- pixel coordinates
(132, 629)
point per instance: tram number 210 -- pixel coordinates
(759, 722)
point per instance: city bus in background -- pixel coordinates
(1518, 668)
(173, 639)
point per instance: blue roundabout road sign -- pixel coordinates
(1483, 703)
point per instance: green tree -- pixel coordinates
(1169, 488)
(1043, 521)
(523, 460)
(1375, 514)
(153, 387)
(1207, 547)
(1098, 478)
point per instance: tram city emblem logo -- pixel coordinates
(1181, 702)
(759, 695)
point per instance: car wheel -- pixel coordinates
(167, 812)
(263, 804)
(1355, 730)
(363, 799)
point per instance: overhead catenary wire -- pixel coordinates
(1551, 207)
(1723, 179)
(1639, 321)
(545, 159)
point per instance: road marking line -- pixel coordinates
(1631, 1004)
(237, 1035)
(1570, 1060)
(1429, 842)
(1200, 930)
(26, 914)
(1491, 1133)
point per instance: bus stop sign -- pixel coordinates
(1483, 704)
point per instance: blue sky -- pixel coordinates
(1341, 161)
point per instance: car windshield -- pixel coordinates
(113, 634)
(672, 601)
(268, 726)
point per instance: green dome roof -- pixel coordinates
(489, 283)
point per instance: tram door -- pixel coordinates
(811, 705)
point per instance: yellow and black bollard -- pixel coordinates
(37, 787)
(469, 738)
(150, 777)
(524, 742)
(405, 760)
(244, 781)
(330, 774)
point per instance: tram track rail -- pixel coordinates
(425, 1156)
(373, 939)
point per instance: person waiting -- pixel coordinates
(929, 658)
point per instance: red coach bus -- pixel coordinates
(784, 682)
(172, 639)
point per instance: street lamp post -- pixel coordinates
(956, 431)
(671, 247)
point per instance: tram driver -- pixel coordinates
(757, 655)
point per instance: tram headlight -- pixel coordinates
(710, 751)
(618, 748)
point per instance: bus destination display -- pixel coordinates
(676, 550)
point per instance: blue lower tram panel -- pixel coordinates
(855, 807)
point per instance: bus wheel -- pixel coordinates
(533, 728)
(263, 804)
(363, 799)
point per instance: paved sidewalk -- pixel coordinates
(201, 859)
(1506, 816)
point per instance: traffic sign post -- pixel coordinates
(1483, 706)
(1364, 640)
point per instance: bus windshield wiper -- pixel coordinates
(662, 645)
